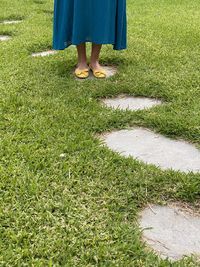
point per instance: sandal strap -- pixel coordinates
(99, 72)
(79, 72)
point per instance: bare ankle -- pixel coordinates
(82, 65)
(95, 64)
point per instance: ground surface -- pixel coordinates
(67, 201)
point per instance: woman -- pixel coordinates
(97, 21)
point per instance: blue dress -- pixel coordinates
(96, 21)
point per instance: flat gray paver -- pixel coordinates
(44, 53)
(131, 102)
(4, 38)
(110, 71)
(153, 148)
(11, 21)
(170, 232)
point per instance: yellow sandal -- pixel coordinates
(98, 73)
(82, 74)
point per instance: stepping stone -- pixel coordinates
(45, 53)
(153, 148)
(11, 21)
(110, 71)
(131, 103)
(5, 37)
(171, 231)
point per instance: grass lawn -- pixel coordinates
(82, 209)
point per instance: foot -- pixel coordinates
(82, 71)
(95, 66)
(97, 70)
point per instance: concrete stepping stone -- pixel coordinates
(153, 148)
(110, 71)
(131, 103)
(170, 231)
(4, 38)
(44, 53)
(11, 21)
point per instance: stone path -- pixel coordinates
(131, 103)
(44, 53)
(5, 37)
(153, 148)
(11, 21)
(171, 232)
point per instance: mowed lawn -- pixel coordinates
(66, 200)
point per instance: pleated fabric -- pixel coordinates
(96, 21)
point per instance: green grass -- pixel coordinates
(81, 210)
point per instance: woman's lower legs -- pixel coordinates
(82, 57)
(94, 60)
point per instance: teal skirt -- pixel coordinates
(95, 21)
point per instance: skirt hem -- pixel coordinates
(55, 47)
